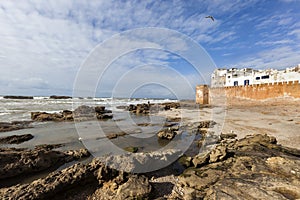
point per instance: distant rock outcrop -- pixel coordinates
(60, 97)
(17, 97)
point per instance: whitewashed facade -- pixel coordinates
(248, 76)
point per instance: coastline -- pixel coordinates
(276, 119)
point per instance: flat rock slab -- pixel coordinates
(15, 139)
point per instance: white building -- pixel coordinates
(248, 76)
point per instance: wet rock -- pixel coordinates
(228, 136)
(254, 167)
(170, 105)
(14, 125)
(115, 135)
(15, 139)
(48, 146)
(131, 149)
(60, 97)
(77, 154)
(17, 97)
(16, 161)
(174, 119)
(167, 134)
(185, 161)
(44, 116)
(87, 112)
(139, 108)
(206, 124)
(201, 159)
(81, 113)
(109, 184)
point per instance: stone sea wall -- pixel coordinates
(254, 92)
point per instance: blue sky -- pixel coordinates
(44, 43)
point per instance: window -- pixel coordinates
(228, 77)
(257, 78)
(265, 77)
(246, 82)
(236, 83)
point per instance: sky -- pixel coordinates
(46, 46)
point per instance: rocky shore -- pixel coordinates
(254, 167)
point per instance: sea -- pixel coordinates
(86, 134)
(20, 109)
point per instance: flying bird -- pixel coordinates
(211, 17)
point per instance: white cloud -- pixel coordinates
(44, 43)
(272, 43)
(280, 57)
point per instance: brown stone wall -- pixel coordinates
(202, 94)
(259, 92)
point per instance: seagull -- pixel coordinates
(211, 17)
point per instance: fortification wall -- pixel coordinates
(255, 92)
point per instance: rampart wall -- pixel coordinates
(256, 92)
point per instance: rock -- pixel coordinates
(44, 116)
(15, 125)
(48, 146)
(228, 136)
(218, 154)
(137, 187)
(206, 124)
(15, 162)
(139, 108)
(131, 149)
(106, 183)
(168, 134)
(60, 97)
(81, 113)
(185, 161)
(254, 167)
(86, 112)
(169, 105)
(115, 135)
(18, 97)
(77, 154)
(15, 139)
(201, 159)
(139, 162)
